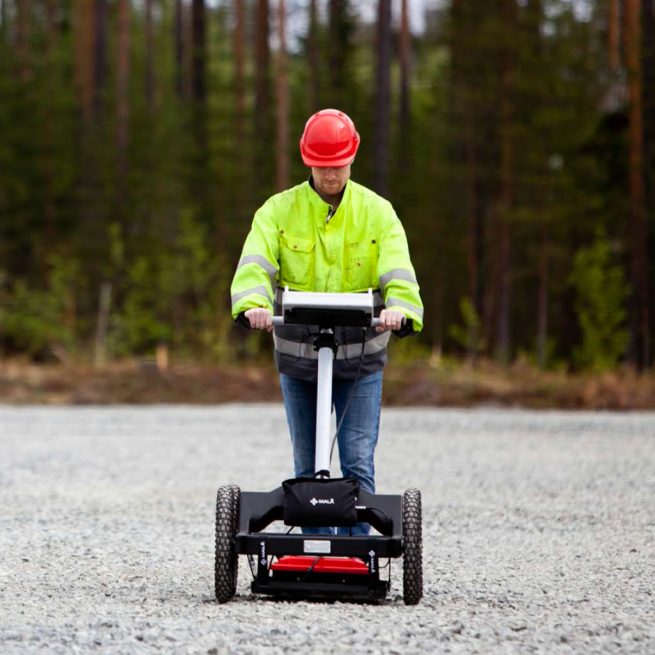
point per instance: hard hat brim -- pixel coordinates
(320, 162)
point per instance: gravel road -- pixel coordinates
(539, 533)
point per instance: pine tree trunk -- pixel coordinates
(238, 60)
(204, 195)
(52, 29)
(404, 55)
(178, 49)
(262, 58)
(239, 68)
(84, 39)
(23, 30)
(187, 50)
(149, 75)
(474, 214)
(648, 27)
(3, 21)
(502, 254)
(313, 59)
(338, 47)
(537, 60)
(198, 52)
(638, 219)
(262, 106)
(466, 144)
(282, 103)
(91, 77)
(383, 98)
(405, 143)
(614, 34)
(49, 129)
(100, 57)
(122, 97)
(84, 36)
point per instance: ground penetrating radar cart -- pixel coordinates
(301, 564)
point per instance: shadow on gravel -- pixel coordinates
(281, 600)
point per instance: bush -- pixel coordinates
(37, 321)
(601, 293)
(172, 294)
(468, 336)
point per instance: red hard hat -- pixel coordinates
(329, 139)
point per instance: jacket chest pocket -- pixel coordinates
(296, 260)
(360, 265)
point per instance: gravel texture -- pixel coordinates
(539, 533)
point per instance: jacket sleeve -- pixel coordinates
(396, 274)
(254, 280)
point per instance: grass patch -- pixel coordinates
(428, 381)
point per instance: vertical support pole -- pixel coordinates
(323, 409)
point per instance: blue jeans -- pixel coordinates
(357, 437)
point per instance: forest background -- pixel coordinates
(515, 138)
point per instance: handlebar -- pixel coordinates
(326, 310)
(279, 320)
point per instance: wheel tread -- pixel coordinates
(226, 564)
(412, 547)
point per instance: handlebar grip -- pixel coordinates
(376, 321)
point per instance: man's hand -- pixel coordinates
(390, 320)
(260, 318)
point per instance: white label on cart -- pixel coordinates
(314, 546)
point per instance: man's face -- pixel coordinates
(330, 181)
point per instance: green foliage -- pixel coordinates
(164, 220)
(40, 321)
(601, 293)
(469, 334)
(409, 350)
(171, 295)
(143, 322)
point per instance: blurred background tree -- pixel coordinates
(516, 139)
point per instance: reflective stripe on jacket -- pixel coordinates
(295, 242)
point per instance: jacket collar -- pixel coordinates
(319, 204)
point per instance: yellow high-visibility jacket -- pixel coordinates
(295, 241)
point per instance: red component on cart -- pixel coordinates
(305, 563)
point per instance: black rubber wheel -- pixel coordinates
(226, 564)
(412, 547)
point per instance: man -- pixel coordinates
(329, 234)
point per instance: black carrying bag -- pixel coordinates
(320, 502)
